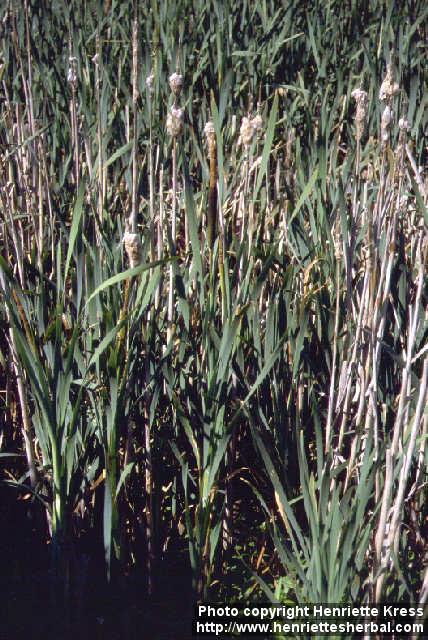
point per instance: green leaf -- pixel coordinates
(117, 154)
(125, 275)
(77, 215)
(305, 194)
(270, 131)
(125, 473)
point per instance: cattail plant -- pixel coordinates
(174, 127)
(213, 345)
(97, 61)
(209, 131)
(72, 80)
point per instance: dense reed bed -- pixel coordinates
(213, 297)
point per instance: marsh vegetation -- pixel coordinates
(213, 302)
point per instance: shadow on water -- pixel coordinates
(124, 612)
(93, 610)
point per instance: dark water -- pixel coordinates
(102, 612)
(93, 610)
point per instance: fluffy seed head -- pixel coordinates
(72, 72)
(210, 133)
(389, 87)
(404, 128)
(386, 123)
(257, 122)
(403, 124)
(246, 131)
(176, 83)
(133, 248)
(150, 80)
(249, 127)
(174, 122)
(362, 100)
(337, 241)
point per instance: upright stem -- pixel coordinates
(99, 135)
(133, 218)
(333, 363)
(151, 184)
(173, 239)
(25, 415)
(149, 501)
(212, 194)
(159, 233)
